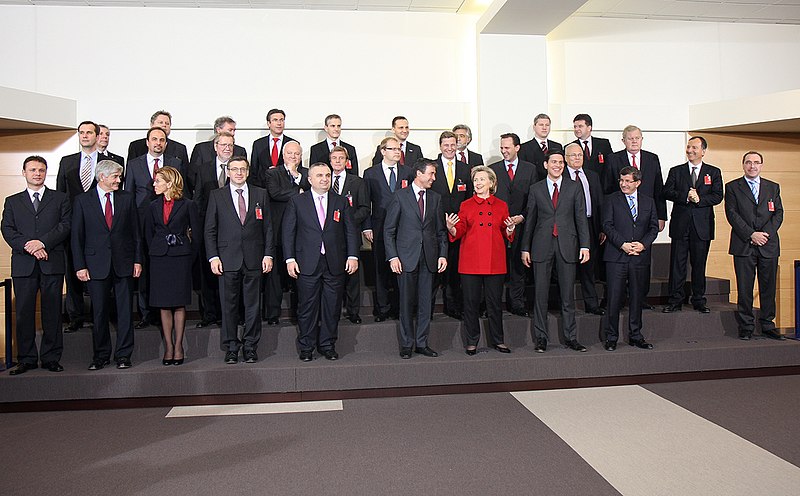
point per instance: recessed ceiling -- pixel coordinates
(744, 11)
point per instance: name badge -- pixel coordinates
(771, 206)
(461, 187)
(348, 165)
(404, 183)
(707, 180)
(601, 159)
(349, 198)
(259, 212)
(336, 216)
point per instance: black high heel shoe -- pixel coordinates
(178, 361)
(167, 362)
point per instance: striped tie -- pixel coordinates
(754, 189)
(632, 204)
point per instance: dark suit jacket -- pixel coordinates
(68, 179)
(381, 196)
(50, 225)
(174, 149)
(184, 217)
(462, 185)
(236, 244)
(281, 189)
(473, 159)
(530, 152)
(597, 198)
(619, 226)
(320, 153)
(116, 158)
(206, 180)
(684, 213)
(355, 191)
(261, 159)
(601, 153)
(514, 194)
(139, 181)
(569, 214)
(413, 240)
(204, 152)
(98, 248)
(652, 184)
(413, 153)
(747, 217)
(303, 236)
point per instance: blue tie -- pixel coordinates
(754, 189)
(633, 207)
(392, 179)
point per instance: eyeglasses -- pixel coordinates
(225, 145)
(237, 170)
(575, 155)
(392, 148)
(750, 162)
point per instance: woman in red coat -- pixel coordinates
(483, 226)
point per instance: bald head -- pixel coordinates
(292, 154)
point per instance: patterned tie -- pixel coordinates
(694, 176)
(555, 204)
(392, 179)
(108, 210)
(511, 172)
(463, 157)
(451, 179)
(421, 203)
(242, 206)
(155, 167)
(86, 173)
(275, 151)
(336, 185)
(544, 147)
(36, 202)
(635, 165)
(586, 193)
(221, 178)
(587, 154)
(321, 218)
(632, 205)
(754, 189)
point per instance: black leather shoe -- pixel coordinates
(204, 323)
(702, 308)
(610, 346)
(142, 324)
(405, 353)
(641, 343)
(596, 311)
(23, 367)
(306, 356)
(453, 314)
(773, 334)
(381, 317)
(647, 306)
(745, 335)
(541, 346)
(250, 356)
(273, 321)
(330, 354)
(354, 318)
(98, 364)
(53, 366)
(673, 308)
(426, 351)
(502, 348)
(123, 363)
(73, 327)
(471, 352)
(521, 312)
(575, 345)
(231, 357)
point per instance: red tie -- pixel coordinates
(511, 172)
(402, 156)
(555, 204)
(108, 210)
(635, 166)
(334, 144)
(544, 147)
(275, 151)
(421, 203)
(463, 157)
(155, 167)
(586, 153)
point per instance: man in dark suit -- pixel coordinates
(754, 210)
(514, 179)
(321, 243)
(534, 151)
(593, 194)
(383, 180)
(464, 137)
(239, 244)
(556, 234)
(454, 185)
(139, 181)
(268, 151)
(630, 221)
(693, 188)
(106, 251)
(36, 226)
(205, 151)
(321, 151)
(283, 182)
(596, 150)
(652, 183)
(162, 119)
(103, 138)
(75, 177)
(209, 176)
(409, 152)
(416, 249)
(354, 190)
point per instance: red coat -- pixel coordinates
(483, 236)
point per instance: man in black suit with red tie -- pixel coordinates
(630, 221)
(239, 244)
(754, 210)
(454, 185)
(106, 251)
(103, 138)
(693, 188)
(268, 151)
(596, 150)
(36, 226)
(409, 152)
(514, 178)
(464, 137)
(535, 150)
(416, 249)
(162, 119)
(205, 152)
(321, 151)
(321, 242)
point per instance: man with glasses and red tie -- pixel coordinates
(268, 151)
(464, 137)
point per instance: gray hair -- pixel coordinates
(106, 168)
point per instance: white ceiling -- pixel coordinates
(447, 6)
(747, 11)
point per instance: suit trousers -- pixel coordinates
(319, 307)
(352, 294)
(100, 292)
(746, 269)
(386, 300)
(25, 290)
(143, 287)
(688, 247)
(515, 293)
(211, 310)
(234, 285)
(275, 282)
(474, 286)
(542, 272)
(622, 277)
(450, 281)
(415, 289)
(73, 302)
(587, 271)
